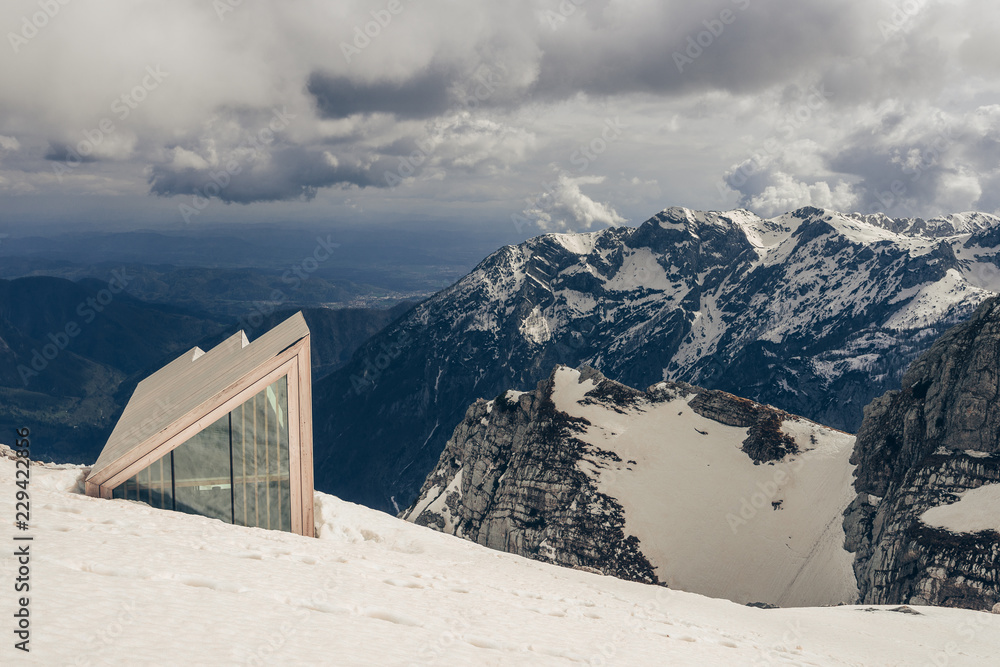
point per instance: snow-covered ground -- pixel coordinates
(119, 583)
(976, 510)
(710, 520)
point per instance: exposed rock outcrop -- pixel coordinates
(512, 483)
(589, 473)
(919, 448)
(765, 440)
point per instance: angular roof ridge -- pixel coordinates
(189, 381)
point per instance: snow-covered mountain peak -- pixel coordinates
(954, 224)
(578, 244)
(766, 234)
(812, 311)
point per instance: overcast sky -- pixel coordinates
(537, 115)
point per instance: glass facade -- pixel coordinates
(202, 473)
(235, 470)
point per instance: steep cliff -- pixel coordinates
(927, 455)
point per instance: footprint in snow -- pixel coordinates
(390, 616)
(67, 510)
(403, 583)
(213, 584)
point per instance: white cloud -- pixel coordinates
(9, 143)
(564, 207)
(787, 194)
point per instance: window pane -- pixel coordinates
(202, 483)
(151, 485)
(244, 510)
(260, 459)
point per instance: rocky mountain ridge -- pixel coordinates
(813, 311)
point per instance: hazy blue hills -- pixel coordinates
(71, 353)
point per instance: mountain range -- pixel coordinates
(814, 312)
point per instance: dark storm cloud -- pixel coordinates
(923, 167)
(738, 45)
(288, 173)
(59, 152)
(607, 49)
(423, 95)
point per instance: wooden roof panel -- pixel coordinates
(189, 381)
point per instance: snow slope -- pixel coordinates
(976, 510)
(710, 520)
(116, 582)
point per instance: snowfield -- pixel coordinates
(707, 518)
(115, 582)
(976, 510)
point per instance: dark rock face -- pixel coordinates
(918, 448)
(813, 312)
(521, 490)
(765, 441)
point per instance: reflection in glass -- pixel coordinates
(153, 485)
(235, 470)
(202, 483)
(261, 482)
